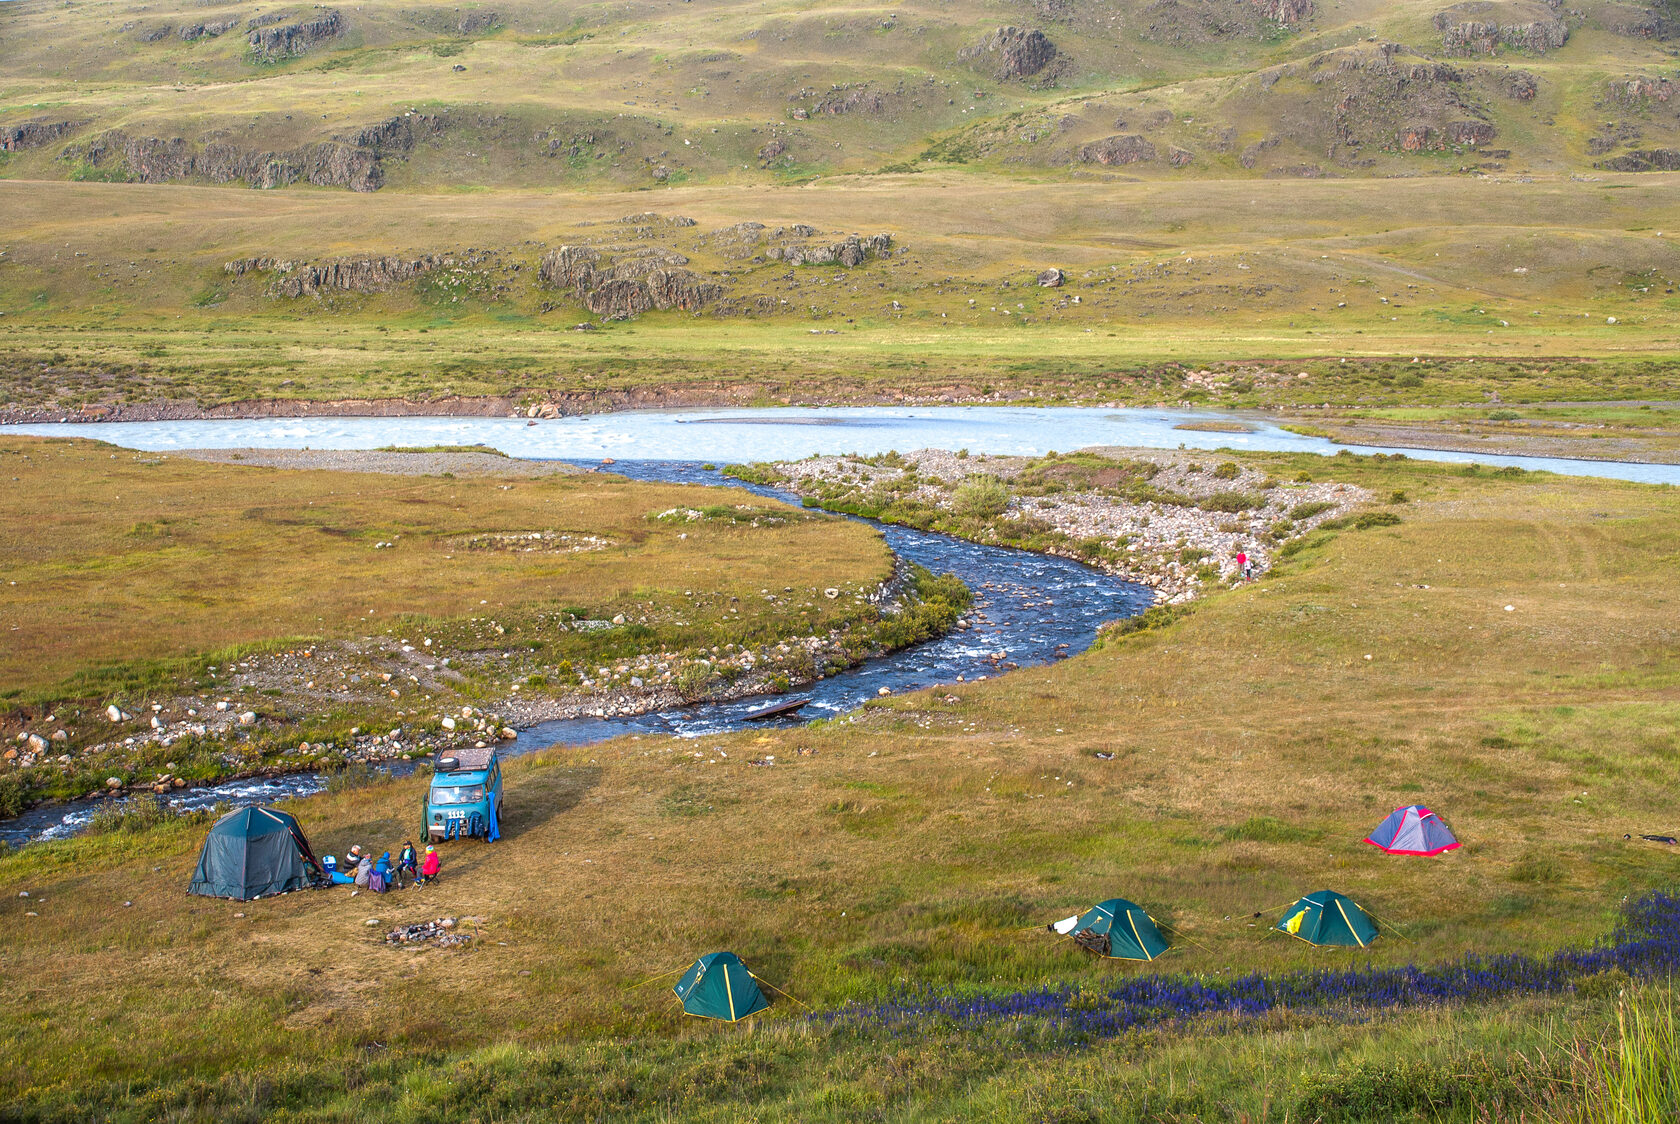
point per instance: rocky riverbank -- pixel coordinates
(1174, 521)
(328, 705)
(541, 404)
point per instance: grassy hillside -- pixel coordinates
(1506, 654)
(595, 95)
(1215, 180)
(121, 293)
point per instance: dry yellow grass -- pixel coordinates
(113, 556)
(1254, 745)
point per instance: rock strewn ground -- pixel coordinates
(1166, 546)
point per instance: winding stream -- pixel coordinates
(1030, 607)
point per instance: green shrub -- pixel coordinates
(1310, 509)
(353, 775)
(980, 497)
(1157, 616)
(12, 794)
(1231, 502)
(1226, 470)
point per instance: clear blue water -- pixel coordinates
(737, 435)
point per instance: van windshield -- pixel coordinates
(460, 794)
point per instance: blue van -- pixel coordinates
(465, 797)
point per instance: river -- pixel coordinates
(1032, 608)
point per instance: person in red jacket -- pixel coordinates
(1242, 564)
(429, 866)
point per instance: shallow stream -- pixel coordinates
(1028, 609)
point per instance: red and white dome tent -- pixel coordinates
(1412, 830)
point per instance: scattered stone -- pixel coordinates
(438, 933)
(117, 714)
(248, 718)
(1051, 278)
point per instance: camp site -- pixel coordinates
(795, 562)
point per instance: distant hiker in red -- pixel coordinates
(1242, 565)
(429, 866)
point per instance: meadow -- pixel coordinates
(137, 578)
(1505, 654)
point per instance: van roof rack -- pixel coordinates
(465, 760)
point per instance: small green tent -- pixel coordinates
(251, 853)
(720, 987)
(1117, 929)
(1328, 918)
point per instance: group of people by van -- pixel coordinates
(365, 872)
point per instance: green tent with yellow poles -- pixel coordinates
(1328, 918)
(1116, 930)
(719, 986)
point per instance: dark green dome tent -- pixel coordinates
(252, 853)
(1117, 929)
(720, 987)
(1328, 918)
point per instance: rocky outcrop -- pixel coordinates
(852, 251)
(1015, 52)
(1285, 12)
(641, 283)
(1519, 84)
(289, 41)
(477, 23)
(1128, 149)
(347, 275)
(34, 134)
(193, 32)
(1643, 160)
(1634, 93)
(1051, 278)
(397, 134)
(159, 160)
(1457, 134)
(1468, 36)
(846, 99)
(1656, 23)
(1180, 157)
(1469, 134)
